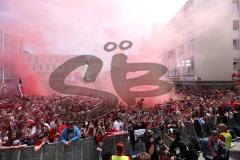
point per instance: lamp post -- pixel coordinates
(238, 64)
(3, 50)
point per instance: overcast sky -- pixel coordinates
(83, 25)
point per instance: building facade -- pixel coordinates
(44, 64)
(10, 46)
(14, 58)
(202, 41)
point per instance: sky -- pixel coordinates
(73, 26)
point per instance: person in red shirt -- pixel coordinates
(42, 138)
(61, 126)
(53, 134)
(100, 133)
(109, 130)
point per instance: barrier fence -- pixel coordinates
(193, 132)
(85, 149)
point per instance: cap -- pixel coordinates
(70, 122)
(47, 125)
(16, 142)
(30, 123)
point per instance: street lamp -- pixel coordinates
(3, 52)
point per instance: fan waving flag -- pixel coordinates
(20, 87)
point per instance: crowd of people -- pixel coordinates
(35, 120)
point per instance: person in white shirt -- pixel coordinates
(118, 124)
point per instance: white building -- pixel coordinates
(202, 40)
(10, 46)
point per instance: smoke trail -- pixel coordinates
(20, 68)
(77, 27)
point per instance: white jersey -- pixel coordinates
(118, 125)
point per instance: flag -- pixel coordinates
(20, 87)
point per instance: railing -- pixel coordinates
(85, 149)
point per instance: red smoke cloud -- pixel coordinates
(20, 67)
(74, 26)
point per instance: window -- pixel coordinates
(236, 44)
(191, 68)
(235, 25)
(236, 5)
(236, 64)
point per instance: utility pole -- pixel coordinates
(3, 52)
(238, 66)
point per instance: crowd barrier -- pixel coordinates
(85, 149)
(193, 132)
